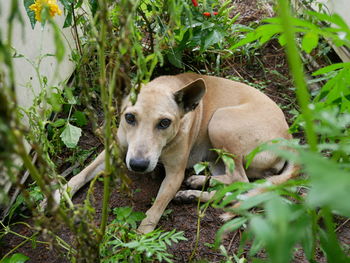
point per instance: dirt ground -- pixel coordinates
(268, 69)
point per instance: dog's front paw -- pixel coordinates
(56, 199)
(187, 196)
(196, 181)
(145, 227)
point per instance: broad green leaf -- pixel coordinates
(334, 18)
(256, 200)
(79, 118)
(68, 92)
(307, 242)
(56, 101)
(262, 229)
(16, 258)
(330, 245)
(69, 19)
(175, 58)
(215, 36)
(329, 183)
(309, 42)
(60, 49)
(70, 135)
(277, 211)
(229, 163)
(67, 4)
(230, 226)
(282, 40)
(94, 6)
(58, 123)
(331, 68)
(266, 32)
(200, 167)
(30, 13)
(249, 158)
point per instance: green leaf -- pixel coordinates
(256, 200)
(60, 49)
(229, 163)
(212, 38)
(30, 13)
(16, 258)
(94, 6)
(68, 20)
(331, 68)
(79, 118)
(309, 42)
(56, 101)
(175, 58)
(70, 135)
(230, 226)
(58, 123)
(282, 40)
(67, 4)
(200, 167)
(329, 183)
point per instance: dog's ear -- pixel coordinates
(189, 97)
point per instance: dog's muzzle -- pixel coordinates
(138, 164)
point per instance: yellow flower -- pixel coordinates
(38, 6)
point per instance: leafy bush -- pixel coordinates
(122, 243)
(284, 224)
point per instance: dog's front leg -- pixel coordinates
(170, 185)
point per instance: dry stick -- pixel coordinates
(150, 30)
(231, 241)
(343, 224)
(76, 31)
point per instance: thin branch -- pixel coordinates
(150, 30)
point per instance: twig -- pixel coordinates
(343, 224)
(18, 246)
(150, 30)
(231, 241)
(76, 31)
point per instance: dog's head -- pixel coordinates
(155, 119)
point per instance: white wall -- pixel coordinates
(341, 7)
(32, 44)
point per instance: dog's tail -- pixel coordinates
(290, 171)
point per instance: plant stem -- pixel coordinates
(18, 246)
(201, 214)
(296, 68)
(76, 31)
(106, 109)
(149, 27)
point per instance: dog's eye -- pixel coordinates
(130, 118)
(164, 123)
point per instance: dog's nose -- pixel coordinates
(138, 164)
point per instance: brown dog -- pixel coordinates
(178, 119)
